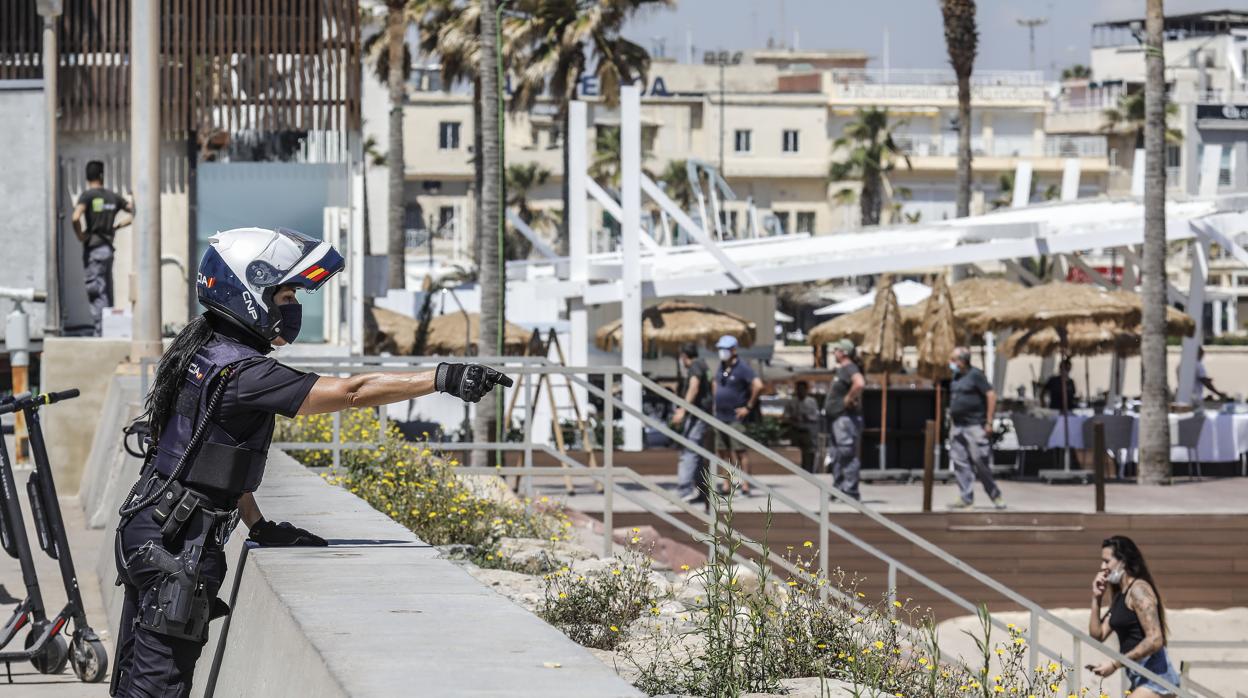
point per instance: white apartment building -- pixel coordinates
(1206, 57)
(1207, 80)
(774, 124)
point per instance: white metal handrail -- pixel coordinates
(526, 368)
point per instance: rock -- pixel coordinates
(536, 556)
(593, 566)
(524, 589)
(458, 551)
(830, 688)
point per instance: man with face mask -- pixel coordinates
(972, 402)
(736, 392)
(843, 413)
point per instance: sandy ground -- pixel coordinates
(1186, 625)
(85, 545)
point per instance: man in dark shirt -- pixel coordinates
(972, 402)
(95, 224)
(691, 468)
(843, 411)
(736, 392)
(1054, 396)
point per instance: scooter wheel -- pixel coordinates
(52, 658)
(89, 660)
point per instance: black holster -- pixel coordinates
(181, 604)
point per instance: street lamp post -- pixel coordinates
(50, 10)
(145, 175)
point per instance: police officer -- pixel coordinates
(211, 414)
(95, 224)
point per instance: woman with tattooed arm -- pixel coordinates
(1136, 615)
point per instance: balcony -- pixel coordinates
(937, 151)
(932, 86)
(1075, 147)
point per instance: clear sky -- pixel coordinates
(916, 38)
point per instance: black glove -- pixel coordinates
(267, 533)
(469, 382)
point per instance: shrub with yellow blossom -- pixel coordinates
(420, 489)
(596, 609)
(810, 625)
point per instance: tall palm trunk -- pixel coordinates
(564, 232)
(395, 30)
(869, 199)
(964, 146)
(478, 172)
(1154, 422)
(491, 269)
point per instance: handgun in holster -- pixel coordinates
(181, 606)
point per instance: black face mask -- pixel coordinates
(292, 321)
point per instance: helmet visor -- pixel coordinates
(282, 255)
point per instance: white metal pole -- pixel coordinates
(1195, 307)
(145, 174)
(578, 240)
(630, 254)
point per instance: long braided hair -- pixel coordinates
(173, 367)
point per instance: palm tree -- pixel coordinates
(1128, 117)
(675, 181)
(450, 30)
(870, 155)
(391, 60)
(491, 269)
(1154, 398)
(1077, 71)
(961, 41)
(564, 40)
(523, 178)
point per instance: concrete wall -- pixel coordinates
(88, 364)
(377, 613)
(23, 193)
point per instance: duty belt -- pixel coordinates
(180, 504)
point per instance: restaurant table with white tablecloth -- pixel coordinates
(1224, 437)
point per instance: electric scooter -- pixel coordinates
(45, 648)
(86, 655)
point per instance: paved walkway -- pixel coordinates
(1210, 496)
(85, 545)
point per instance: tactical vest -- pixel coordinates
(226, 465)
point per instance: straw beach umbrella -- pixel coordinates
(447, 335)
(670, 324)
(882, 346)
(936, 341)
(853, 326)
(1056, 304)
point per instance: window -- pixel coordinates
(446, 219)
(782, 221)
(790, 141)
(805, 222)
(448, 135)
(741, 140)
(1174, 159)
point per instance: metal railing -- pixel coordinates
(526, 370)
(926, 76)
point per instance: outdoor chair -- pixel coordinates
(1118, 431)
(1033, 434)
(1189, 438)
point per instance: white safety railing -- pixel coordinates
(525, 371)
